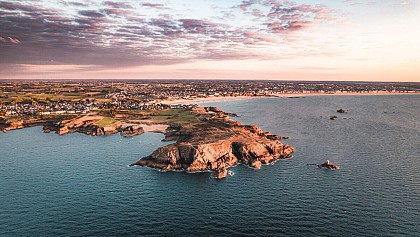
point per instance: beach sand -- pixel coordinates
(282, 95)
(207, 99)
(156, 128)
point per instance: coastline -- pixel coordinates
(278, 95)
(207, 99)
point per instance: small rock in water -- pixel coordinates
(220, 173)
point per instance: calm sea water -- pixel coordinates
(78, 185)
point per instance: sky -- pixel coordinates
(339, 40)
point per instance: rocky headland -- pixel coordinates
(214, 143)
(91, 125)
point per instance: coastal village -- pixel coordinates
(32, 98)
(33, 108)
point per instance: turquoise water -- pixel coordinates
(78, 185)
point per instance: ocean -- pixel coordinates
(79, 185)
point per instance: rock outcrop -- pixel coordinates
(328, 165)
(20, 124)
(132, 130)
(13, 126)
(217, 145)
(89, 125)
(84, 125)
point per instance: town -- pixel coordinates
(33, 98)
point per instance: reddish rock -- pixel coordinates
(132, 130)
(246, 146)
(220, 173)
(256, 164)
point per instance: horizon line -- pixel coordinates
(198, 79)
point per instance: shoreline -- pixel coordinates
(277, 95)
(208, 99)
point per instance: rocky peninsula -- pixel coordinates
(94, 126)
(205, 139)
(215, 142)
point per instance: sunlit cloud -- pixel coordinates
(155, 5)
(130, 34)
(14, 41)
(152, 34)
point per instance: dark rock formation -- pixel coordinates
(273, 137)
(219, 112)
(328, 165)
(13, 126)
(220, 173)
(213, 109)
(132, 130)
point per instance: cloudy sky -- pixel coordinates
(374, 40)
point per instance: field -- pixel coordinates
(180, 116)
(106, 121)
(34, 97)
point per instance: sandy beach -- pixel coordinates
(282, 95)
(157, 128)
(207, 99)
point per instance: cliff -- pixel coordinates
(214, 144)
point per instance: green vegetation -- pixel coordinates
(106, 121)
(181, 116)
(36, 97)
(185, 118)
(174, 115)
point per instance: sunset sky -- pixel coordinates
(211, 39)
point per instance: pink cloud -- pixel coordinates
(14, 41)
(114, 27)
(245, 4)
(153, 5)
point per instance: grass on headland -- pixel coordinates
(159, 116)
(106, 121)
